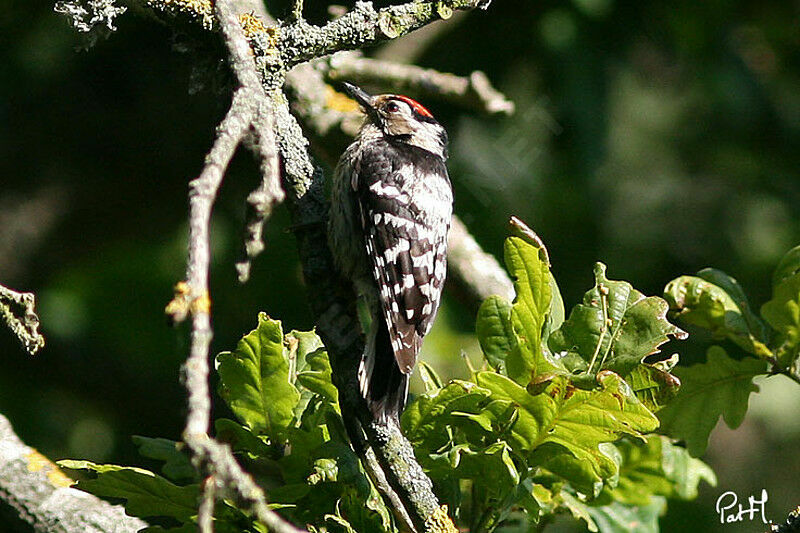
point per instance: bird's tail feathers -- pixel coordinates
(380, 380)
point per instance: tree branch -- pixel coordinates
(476, 272)
(225, 478)
(35, 492)
(364, 26)
(472, 92)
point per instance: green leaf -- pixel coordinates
(146, 494)
(255, 380)
(317, 378)
(375, 505)
(494, 478)
(788, 266)
(653, 384)
(557, 314)
(336, 520)
(615, 327)
(735, 291)
(535, 499)
(227, 519)
(585, 469)
(714, 301)
(721, 386)
(782, 312)
(619, 518)
(684, 471)
(494, 330)
(577, 420)
(185, 528)
(430, 379)
(177, 465)
(328, 480)
(364, 514)
(241, 438)
(578, 509)
(658, 467)
(531, 274)
(299, 344)
(336, 462)
(491, 469)
(425, 420)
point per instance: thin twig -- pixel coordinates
(231, 482)
(17, 310)
(194, 299)
(205, 512)
(474, 91)
(779, 368)
(262, 200)
(297, 10)
(211, 457)
(262, 141)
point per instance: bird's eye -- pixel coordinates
(392, 107)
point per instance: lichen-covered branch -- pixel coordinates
(225, 478)
(36, 496)
(261, 141)
(364, 26)
(472, 92)
(203, 192)
(269, 193)
(193, 299)
(17, 310)
(200, 11)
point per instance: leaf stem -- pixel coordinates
(603, 290)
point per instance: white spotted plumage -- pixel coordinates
(390, 214)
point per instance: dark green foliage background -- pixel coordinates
(660, 138)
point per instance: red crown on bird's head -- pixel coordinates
(416, 106)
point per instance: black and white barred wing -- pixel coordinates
(405, 231)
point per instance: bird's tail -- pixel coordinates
(382, 384)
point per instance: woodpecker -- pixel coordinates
(390, 213)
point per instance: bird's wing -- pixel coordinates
(406, 244)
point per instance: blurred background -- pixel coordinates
(659, 138)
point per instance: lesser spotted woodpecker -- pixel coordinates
(390, 213)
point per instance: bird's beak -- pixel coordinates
(359, 95)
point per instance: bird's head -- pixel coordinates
(400, 118)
